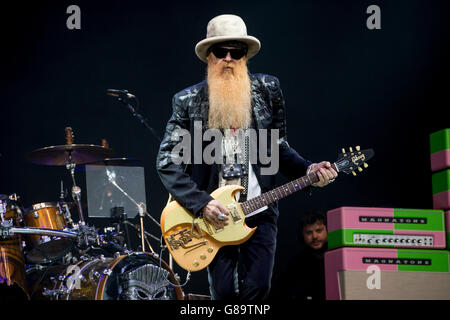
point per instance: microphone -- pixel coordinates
(119, 93)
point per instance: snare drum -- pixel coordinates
(12, 262)
(48, 215)
(135, 276)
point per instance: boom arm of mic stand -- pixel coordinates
(141, 208)
(139, 116)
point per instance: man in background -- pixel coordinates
(304, 276)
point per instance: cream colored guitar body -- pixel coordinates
(193, 242)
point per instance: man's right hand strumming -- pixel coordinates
(216, 214)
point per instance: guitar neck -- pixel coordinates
(280, 192)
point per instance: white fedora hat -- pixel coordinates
(226, 27)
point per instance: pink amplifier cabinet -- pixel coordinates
(386, 228)
(387, 274)
(441, 189)
(447, 227)
(440, 150)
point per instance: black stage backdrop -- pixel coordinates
(344, 85)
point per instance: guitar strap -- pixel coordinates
(245, 169)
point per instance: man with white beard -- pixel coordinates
(232, 99)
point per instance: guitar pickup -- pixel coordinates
(234, 213)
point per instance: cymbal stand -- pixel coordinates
(76, 190)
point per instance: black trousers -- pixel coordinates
(244, 272)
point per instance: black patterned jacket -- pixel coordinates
(192, 184)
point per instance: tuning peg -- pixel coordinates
(358, 148)
(343, 150)
(351, 149)
(354, 173)
(360, 169)
(365, 165)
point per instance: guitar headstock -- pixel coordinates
(353, 160)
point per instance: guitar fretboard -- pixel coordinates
(271, 196)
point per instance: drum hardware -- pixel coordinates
(34, 286)
(107, 272)
(53, 294)
(69, 258)
(63, 206)
(119, 214)
(87, 237)
(10, 208)
(7, 230)
(14, 197)
(76, 190)
(65, 211)
(112, 240)
(142, 209)
(51, 255)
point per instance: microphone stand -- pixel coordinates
(124, 99)
(141, 208)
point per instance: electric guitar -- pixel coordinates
(193, 242)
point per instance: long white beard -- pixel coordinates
(229, 97)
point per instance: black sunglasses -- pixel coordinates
(221, 53)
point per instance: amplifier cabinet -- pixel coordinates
(379, 273)
(386, 228)
(440, 150)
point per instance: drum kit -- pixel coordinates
(46, 255)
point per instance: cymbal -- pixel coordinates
(59, 155)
